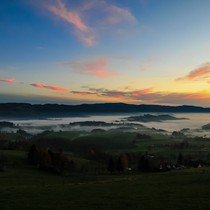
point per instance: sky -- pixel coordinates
(105, 51)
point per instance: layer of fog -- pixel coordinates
(194, 122)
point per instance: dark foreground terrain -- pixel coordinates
(24, 187)
(146, 169)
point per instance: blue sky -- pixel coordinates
(139, 51)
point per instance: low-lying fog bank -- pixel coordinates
(189, 124)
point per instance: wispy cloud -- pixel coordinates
(49, 87)
(73, 17)
(121, 94)
(97, 67)
(83, 17)
(70, 16)
(83, 93)
(200, 73)
(108, 10)
(8, 80)
(141, 92)
(114, 94)
(116, 14)
(157, 98)
(150, 96)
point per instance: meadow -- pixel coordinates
(25, 187)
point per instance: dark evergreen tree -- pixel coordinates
(111, 165)
(33, 155)
(120, 164)
(143, 163)
(180, 159)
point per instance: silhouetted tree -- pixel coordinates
(60, 161)
(124, 160)
(111, 165)
(149, 163)
(33, 156)
(180, 159)
(45, 160)
(120, 164)
(143, 163)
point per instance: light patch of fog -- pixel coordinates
(67, 120)
(195, 122)
(8, 130)
(198, 133)
(33, 131)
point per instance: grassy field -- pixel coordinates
(25, 187)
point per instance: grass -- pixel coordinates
(26, 187)
(173, 190)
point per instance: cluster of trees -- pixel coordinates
(15, 141)
(190, 161)
(48, 160)
(138, 162)
(150, 163)
(119, 163)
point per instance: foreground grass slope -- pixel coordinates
(24, 187)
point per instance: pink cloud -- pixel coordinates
(83, 17)
(141, 92)
(95, 67)
(70, 16)
(83, 31)
(148, 96)
(50, 87)
(8, 80)
(200, 73)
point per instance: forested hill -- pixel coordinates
(56, 110)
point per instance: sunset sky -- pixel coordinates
(88, 51)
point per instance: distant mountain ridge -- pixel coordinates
(59, 110)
